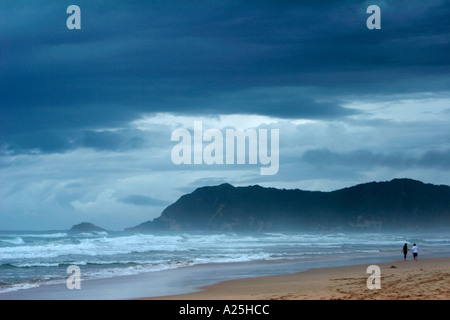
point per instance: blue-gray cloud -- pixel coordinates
(437, 159)
(140, 200)
(198, 57)
(71, 150)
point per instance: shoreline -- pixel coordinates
(425, 279)
(240, 281)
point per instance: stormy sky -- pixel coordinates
(86, 115)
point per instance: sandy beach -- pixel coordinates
(425, 279)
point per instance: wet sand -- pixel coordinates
(425, 279)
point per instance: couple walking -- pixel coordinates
(415, 251)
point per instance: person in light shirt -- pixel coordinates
(415, 251)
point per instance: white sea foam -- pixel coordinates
(15, 240)
(40, 257)
(142, 243)
(47, 235)
(19, 286)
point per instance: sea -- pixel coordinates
(39, 259)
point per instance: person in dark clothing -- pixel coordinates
(405, 251)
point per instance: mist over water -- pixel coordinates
(30, 259)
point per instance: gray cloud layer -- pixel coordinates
(205, 57)
(368, 159)
(376, 101)
(140, 200)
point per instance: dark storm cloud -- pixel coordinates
(140, 200)
(368, 159)
(113, 141)
(279, 102)
(46, 141)
(204, 57)
(51, 141)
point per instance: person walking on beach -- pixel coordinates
(415, 251)
(405, 251)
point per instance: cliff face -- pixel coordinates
(397, 204)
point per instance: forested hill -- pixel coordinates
(400, 204)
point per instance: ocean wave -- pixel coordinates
(104, 245)
(29, 265)
(17, 287)
(46, 235)
(93, 234)
(15, 240)
(103, 255)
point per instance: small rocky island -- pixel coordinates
(86, 227)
